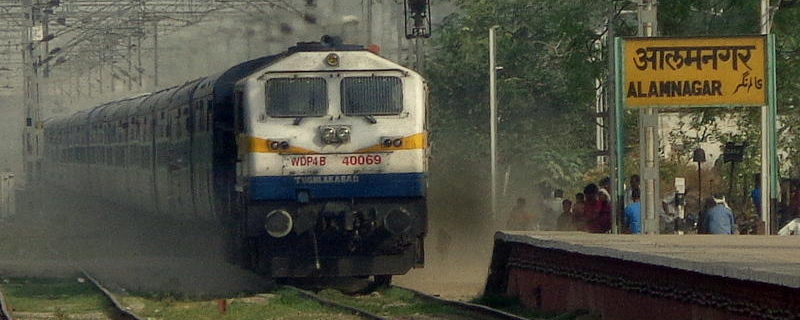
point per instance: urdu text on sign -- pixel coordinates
(695, 71)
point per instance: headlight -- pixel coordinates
(343, 134)
(332, 60)
(328, 135)
(391, 142)
(277, 145)
(334, 134)
(398, 221)
(278, 223)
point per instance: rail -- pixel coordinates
(5, 314)
(472, 307)
(120, 312)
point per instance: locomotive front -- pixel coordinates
(332, 164)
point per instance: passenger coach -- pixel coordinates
(314, 160)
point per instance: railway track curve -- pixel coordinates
(118, 311)
(464, 310)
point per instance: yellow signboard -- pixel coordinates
(695, 71)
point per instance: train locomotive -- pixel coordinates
(313, 161)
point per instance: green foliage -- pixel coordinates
(728, 17)
(281, 304)
(57, 296)
(708, 17)
(787, 31)
(546, 90)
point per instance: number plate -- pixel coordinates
(334, 163)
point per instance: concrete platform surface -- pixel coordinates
(767, 259)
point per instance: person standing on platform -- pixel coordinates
(633, 183)
(633, 213)
(553, 210)
(603, 193)
(668, 214)
(720, 219)
(577, 211)
(596, 212)
(520, 218)
(708, 203)
(565, 220)
(756, 193)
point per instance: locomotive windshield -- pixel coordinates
(296, 97)
(363, 96)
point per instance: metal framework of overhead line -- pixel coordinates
(73, 43)
(75, 27)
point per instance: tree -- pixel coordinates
(730, 17)
(551, 57)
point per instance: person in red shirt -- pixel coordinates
(596, 217)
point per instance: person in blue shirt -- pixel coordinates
(756, 193)
(633, 213)
(719, 219)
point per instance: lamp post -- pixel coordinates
(493, 115)
(699, 156)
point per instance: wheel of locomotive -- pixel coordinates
(383, 280)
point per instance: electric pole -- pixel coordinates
(766, 206)
(610, 103)
(33, 36)
(493, 116)
(649, 157)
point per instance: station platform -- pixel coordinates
(650, 276)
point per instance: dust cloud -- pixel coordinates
(122, 247)
(141, 252)
(460, 234)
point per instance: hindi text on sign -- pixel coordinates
(694, 71)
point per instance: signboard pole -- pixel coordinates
(766, 173)
(618, 164)
(772, 121)
(649, 169)
(610, 92)
(649, 140)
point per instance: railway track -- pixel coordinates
(115, 310)
(477, 308)
(333, 304)
(118, 311)
(458, 310)
(438, 308)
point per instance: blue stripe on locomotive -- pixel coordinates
(338, 186)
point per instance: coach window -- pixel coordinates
(372, 96)
(209, 111)
(179, 127)
(296, 97)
